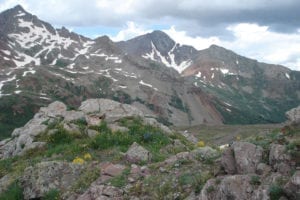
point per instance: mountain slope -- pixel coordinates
(42, 64)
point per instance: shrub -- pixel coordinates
(61, 136)
(210, 189)
(53, 194)
(255, 180)
(275, 192)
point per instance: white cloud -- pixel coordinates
(197, 42)
(130, 31)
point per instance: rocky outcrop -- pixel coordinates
(108, 109)
(93, 111)
(292, 188)
(233, 187)
(241, 158)
(137, 153)
(247, 157)
(293, 116)
(279, 159)
(45, 176)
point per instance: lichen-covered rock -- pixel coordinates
(73, 115)
(247, 157)
(112, 110)
(55, 109)
(233, 187)
(92, 133)
(293, 115)
(204, 153)
(228, 161)
(137, 153)
(263, 169)
(102, 192)
(5, 181)
(292, 188)
(279, 159)
(44, 176)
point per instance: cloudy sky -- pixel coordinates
(266, 30)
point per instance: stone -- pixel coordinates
(233, 187)
(154, 122)
(292, 187)
(204, 153)
(112, 110)
(263, 169)
(228, 161)
(73, 116)
(112, 169)
(55, 109)
(92, 133)
(73, 128)
(293, 115)
(278, 154)
(39, 179)
(94, 119)
(247, 157)
(115, 128)
(137, 153)
(102, 192)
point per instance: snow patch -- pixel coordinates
(29, 71)
(6, 52)
(198, 74)
(147, 84)
(287, 76)
(18, 91)
(5, 81)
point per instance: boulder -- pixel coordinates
(293, 115)
(154, 122)
(45, 176)
(279, 159)
(228, 161)
(204, 153)
(102, 192)
(247, 157)
(73, 115)
(263, 169)
(5, 181)
(92, 133)
(112, 110)
(137, 153)
(55, 109)
(233, 187)
(115, 128)
(292, 187)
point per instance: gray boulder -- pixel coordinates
(45, 176)
(102, 192)
(279, 159)
(247, 157)
(233, 187)
(92, 133)
(73, 115)
(137, 153)
(228, 161)
(55, 109)
(204, 153)
(293, 115)
(112, 110)
(292, 188)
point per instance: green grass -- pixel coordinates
(52, 195)
(150, 137)
(121, 180)
(14, 192)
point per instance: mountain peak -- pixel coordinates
(18, 8)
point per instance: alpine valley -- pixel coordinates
(174, 83)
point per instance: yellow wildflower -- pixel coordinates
(78, 160)
(201, 143)
(87, 156)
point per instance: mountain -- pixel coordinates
(158, 46)
(175, 83)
